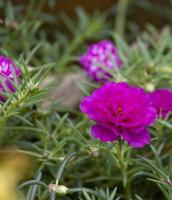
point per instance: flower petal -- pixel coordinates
(103, 133)
(137, 137)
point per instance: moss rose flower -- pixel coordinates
(7, 71)
(100, 55)
(120, 110)
(162, 101)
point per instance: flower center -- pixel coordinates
(120, 111)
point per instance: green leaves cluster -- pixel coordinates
(43, 44)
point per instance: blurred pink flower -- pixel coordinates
(98, 57)
(162, 101)
(7, 71)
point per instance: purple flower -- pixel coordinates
(120, 110)
(162, 101)
(7, 71)
(99, 56)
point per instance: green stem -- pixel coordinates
(90, 191)
(123, 168)
(33, 182)
(60, 172)
(2, 127)
(121, 17)
(69, 50)
(74, 44)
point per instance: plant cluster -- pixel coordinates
(69, 163)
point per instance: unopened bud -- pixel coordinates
(61, 190)
(150, 87)
(95, 152)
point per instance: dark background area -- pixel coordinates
(156, 12)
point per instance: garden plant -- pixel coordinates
(85, 104)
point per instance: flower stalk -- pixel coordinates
(121, 17)
(123, 168)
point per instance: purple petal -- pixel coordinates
(137, 137)
(103, 133)
(162, 101)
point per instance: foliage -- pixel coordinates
(42, 45)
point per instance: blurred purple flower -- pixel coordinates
(98, 57)
(162, 101)
(120, 110)
(7, 70)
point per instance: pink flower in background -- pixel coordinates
(98, 57)
(162, 101)
(7, 70)
(120, 110)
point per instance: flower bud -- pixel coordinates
(150, 87)
(61, 190)
(95, 152)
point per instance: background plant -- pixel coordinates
(44, 45)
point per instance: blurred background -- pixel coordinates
(139, 12)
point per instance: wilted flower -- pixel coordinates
(99, 57)
(162, 101)
(120, 110)
(7, 72)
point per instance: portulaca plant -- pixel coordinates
(86, 113)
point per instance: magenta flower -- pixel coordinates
(162, 101)
(7, 70)
(120, 110)
(100, 55)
